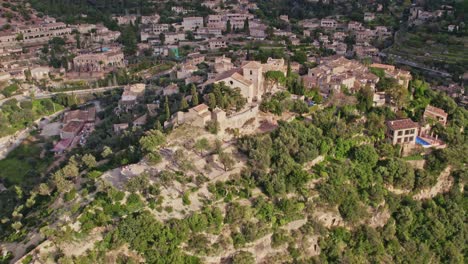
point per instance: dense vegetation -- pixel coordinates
(353, 181)
(16, 115)
(332, 158)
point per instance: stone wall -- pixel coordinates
(237, 120)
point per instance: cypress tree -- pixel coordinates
(194, 96)
(166, 109)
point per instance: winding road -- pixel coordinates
(21, 98)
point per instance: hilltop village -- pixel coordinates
(221, 131)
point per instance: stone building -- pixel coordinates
(402, 131)
(130, 95)
(403, 77)
(191, 23)
(200, 115)
(335, 72)
(39, 73)
(435, 114)
(95, 62)
(215, 44)
(249, 78)
(328, 23)
(44, 31)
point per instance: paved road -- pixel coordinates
(50, 95)
(401, 60)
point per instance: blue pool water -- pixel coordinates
(105, 49)
(422, 142)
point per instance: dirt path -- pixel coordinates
(329, 218)
(396, 190)
(444, 183)
(19, 249)
(379, 218)
(260, 248)
(294, 224)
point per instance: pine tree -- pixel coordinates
(194, 96)
(166, 109)
(288, 73)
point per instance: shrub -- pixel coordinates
(212, 127)
(70, 195)
(186, 199)
(94, 174)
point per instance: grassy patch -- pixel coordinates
(24, 165)
(18, 117)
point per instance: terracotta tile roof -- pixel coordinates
(88, 115)
(240, 78)
(227, 74)
(200, 108)
(402, 124)
(73, 126)
(62, 145)
(434, 110)
(252, 65)
(141, 120)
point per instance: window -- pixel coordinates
(407, 132)
(231, 82)
(400, 133)
(406, 139)
(251, 72)
(412, 131)
(411, 138)
(398, 140)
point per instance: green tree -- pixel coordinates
(202, 145)
(140, 183)
(366, 155)
(106, 152)
(228, 27)
(167, 110)
(300, 56)
(243, 257)
(162, 38)
(194, 95)
(227, 160)
(365, 98)
(399, 96)
(246, 26)
(274, 78)
(44, 189)
(212, 126)
(184, 104)
(129, 39)
(19, 37)
(152, 140)
(89, 160)
(212, 100)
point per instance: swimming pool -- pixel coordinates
(422, 142)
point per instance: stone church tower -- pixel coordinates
(253, 71)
